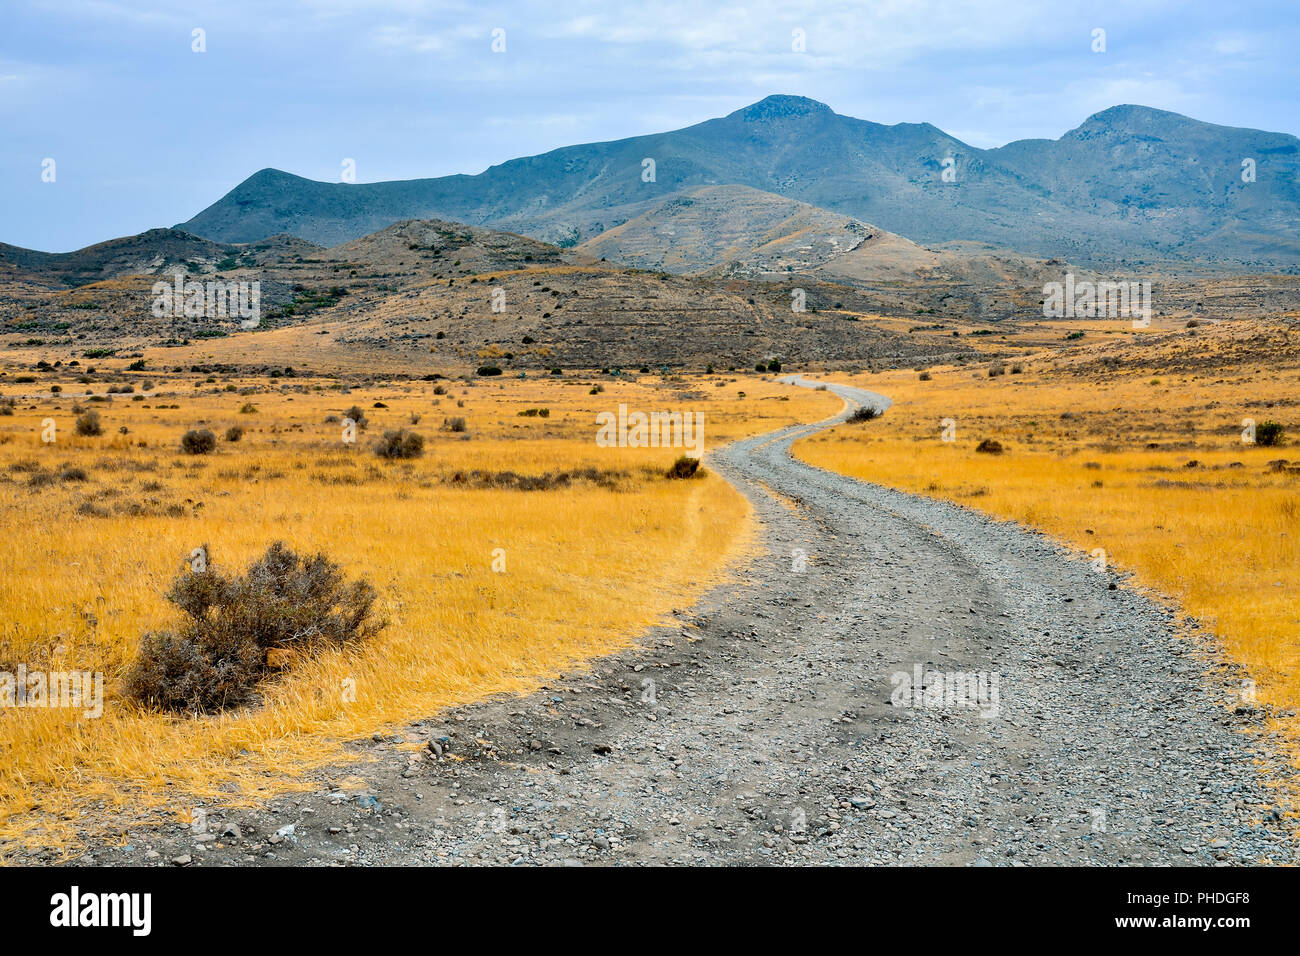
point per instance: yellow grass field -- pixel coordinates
(1147, 465)
(86, 560)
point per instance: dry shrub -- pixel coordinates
(88, 424)
(610, 479)
(989, 446)
(198, 441)
(400, 443)
(284, 602)
(684, 467)
(1270, 434)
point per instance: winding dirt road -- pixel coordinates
(1063, 719)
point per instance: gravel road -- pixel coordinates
(1065, 720)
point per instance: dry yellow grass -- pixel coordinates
(586, 568)
(1221, 538)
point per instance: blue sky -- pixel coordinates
(145, 132)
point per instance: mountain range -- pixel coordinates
(1130, 185)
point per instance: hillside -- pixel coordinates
(431, 296)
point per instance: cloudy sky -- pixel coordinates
(144, 131)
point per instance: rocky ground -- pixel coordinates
(762, 728)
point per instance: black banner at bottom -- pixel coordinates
(331, 905)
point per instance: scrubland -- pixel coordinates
(508, 551)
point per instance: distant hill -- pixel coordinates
(1130, 184)
(742, 230)
(449, 245)
(148, 253)
(736, 231)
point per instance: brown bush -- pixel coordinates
(284, 602)
(234, 433)
(989, 447)
(684, 467)
(400, 443)
(864, 413)
(88, 424)
(198, 441)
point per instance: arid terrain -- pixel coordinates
(585, 659)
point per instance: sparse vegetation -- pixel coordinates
(304, 485)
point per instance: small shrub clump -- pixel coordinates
(684, 467)
(234, 433)
(400, 443)
(864, 413)
(1270, 434)
(198, 441)
(88, 424)
(989, 446)
(284, 602)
